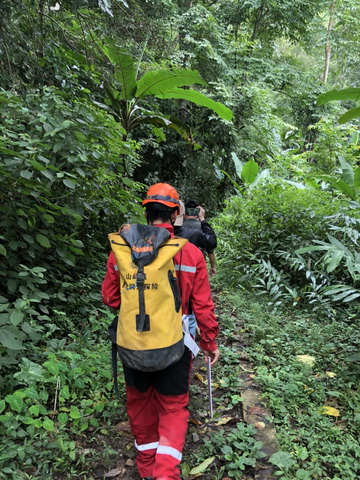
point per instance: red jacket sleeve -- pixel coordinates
(110, 289)
(203, 307)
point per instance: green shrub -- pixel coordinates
(64, 185)
(260, 233)
(65, 396)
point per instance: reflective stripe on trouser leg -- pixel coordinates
(144, 426)
(146, 446)
(164, 450)
(173, 423)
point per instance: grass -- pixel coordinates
(308, 370)
(57, 419)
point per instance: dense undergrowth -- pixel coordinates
(307, 367)
(59, 421)
(61, 397)
(298, 245)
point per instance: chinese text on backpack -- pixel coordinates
(149, 333)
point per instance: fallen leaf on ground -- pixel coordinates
(224, 420)
(123, 427)
(333, 412)
(259, 425)
(199, 377)
(113, 473)
(330, 374)
(308, 390)
(308, 359)
(195, 421)
(246, 369)
(202, 467)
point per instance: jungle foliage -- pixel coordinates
(307, 368)
(234, 104)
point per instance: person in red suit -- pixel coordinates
(157, 401)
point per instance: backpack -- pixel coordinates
(148, 332)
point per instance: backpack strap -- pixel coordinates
(142, 319)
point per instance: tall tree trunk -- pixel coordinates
(184, 6)
(258, 19)
(328, 43)
(41, 27)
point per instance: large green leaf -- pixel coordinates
(238, 164)
(334, 259)
(263, 174)
(342, 292)
(348, 172)
(336, 243)
(345, 188)
(340, 185)
(30, 372)
(249, 172)
(311, 248)
(15, 401)
(357, 178)
(48, 424)
(11, 338)
(345, 94)
(161, 81)
(43, 240)
(16, 317)
(124, 71)
(199, 99)
(350, 115)
(282, 459)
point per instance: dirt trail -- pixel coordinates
(256, 413)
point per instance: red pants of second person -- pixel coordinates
(157, 409)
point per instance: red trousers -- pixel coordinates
(157, 409)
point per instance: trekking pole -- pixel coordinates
(209, 386)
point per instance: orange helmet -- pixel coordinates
(163, 193)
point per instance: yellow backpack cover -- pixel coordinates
(149, 334)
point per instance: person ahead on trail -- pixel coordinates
(157, 401)
(191, 224)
